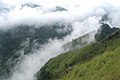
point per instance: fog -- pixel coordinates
(77, 10)
(84, 16)
(30, 64)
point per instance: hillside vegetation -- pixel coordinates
(97, 61)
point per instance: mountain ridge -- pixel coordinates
(62, 67)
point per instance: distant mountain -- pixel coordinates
(4, 10)
(31, 5)
(96, 61)
(44, 10)
(102, 33)
(59, 8)
(26, 38)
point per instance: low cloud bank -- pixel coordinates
(44, 14)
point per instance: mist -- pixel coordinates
(84, 16)
(77, 10)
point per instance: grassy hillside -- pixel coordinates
(98, 61)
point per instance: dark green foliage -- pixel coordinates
(104, 32)
(47, 75)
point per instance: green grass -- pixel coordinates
(98, 61)
(102, 67)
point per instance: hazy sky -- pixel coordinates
(59, 2)
(77, 10)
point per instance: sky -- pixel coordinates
(60, 2)
(77, 10)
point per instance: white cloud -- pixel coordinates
(114, 2)
(37, 15)
(77, 10)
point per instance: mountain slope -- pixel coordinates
(104, 32)
(94, 36)
(98, 61)
(103, 67)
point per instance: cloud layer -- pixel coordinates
(77, 10)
